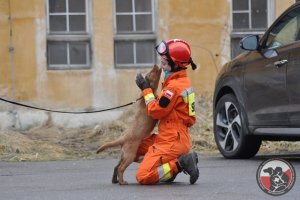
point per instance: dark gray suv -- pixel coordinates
(257, 94)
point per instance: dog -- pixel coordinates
(141, 128)
(278, 179)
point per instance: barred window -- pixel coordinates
(68, 36)
(134, 33)
(249, 17)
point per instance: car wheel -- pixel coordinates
(231, 131)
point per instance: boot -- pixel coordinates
(188, 164)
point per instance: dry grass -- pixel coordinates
(201, 132)
(56, 143)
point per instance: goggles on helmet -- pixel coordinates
(163, 50)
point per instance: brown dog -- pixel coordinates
(141, 128)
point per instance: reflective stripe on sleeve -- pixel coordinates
(189, 98)
(164, 172)
(149, 98)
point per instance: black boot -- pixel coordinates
(188, 164)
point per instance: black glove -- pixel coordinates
(141, 82)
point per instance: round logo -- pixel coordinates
(276, 176)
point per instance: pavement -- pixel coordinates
(91, 179)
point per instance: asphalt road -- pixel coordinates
(91, 179)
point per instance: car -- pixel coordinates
(257, 94)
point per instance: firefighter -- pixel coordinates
(168, 152)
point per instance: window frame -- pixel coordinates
(245, 32)
(135, 36)
(70, 37)
(265, 39)
(239, 34)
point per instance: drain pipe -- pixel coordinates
(11, 51)
(16, 122)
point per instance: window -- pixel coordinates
(249, 17)
(286, 31)
(68, 38)
(249, 14)
(134, 33)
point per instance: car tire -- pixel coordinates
(231, 129)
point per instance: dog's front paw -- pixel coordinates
(123, 183)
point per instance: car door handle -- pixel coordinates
(280, 63)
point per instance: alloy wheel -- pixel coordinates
(228, 127)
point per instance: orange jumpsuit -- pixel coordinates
(174, 108)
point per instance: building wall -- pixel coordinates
(18, 68)
(282, 5)
(205, 24)
(5, 86)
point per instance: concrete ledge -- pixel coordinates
(24, 120)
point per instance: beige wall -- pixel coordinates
(205, 24)
(4, 44)
(281, 5)
(18, 71)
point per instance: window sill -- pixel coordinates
(63, 38)
(133, 66)
(65, 67)
(245, 33)
(135, 37)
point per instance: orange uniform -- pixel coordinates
(174, 108)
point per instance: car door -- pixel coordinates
(265, 89)
(265, 79)
(293, 68)
(293, 85)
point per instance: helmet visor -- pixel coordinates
(162, 48)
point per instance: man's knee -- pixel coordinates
(145, 177)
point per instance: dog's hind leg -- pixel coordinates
(121, 169)
(115, 174)
(127, 158)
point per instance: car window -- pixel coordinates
(285, 31)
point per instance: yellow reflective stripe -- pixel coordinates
(148, 98)
(164, 172)
(167, 171)
(189, 98)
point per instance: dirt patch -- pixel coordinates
(56, 143)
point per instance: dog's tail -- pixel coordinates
(117, 142)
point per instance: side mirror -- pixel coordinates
(250, 42)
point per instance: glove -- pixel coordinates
(141, 82)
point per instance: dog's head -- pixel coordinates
(270, 170)
(153, 77)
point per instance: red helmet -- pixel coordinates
(176, 51)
